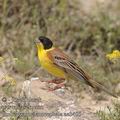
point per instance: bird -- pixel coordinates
(60, 65)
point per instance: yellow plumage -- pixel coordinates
(47, 64)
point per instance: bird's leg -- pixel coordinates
(56, 80)
(57, 87)
(60, 82)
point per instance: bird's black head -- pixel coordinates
(47, 43)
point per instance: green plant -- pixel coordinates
(112, 114)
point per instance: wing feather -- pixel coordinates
(63, 61)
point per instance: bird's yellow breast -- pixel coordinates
(48, 65)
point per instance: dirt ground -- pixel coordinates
(60, 101)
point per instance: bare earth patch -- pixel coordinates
(60, 104)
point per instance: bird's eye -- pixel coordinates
(41, 39)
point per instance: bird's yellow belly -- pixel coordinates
(51, 68)
(54, 70)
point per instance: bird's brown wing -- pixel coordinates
(63, 61)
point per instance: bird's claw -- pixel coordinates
(55, 88)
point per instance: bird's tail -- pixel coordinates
(99, 86)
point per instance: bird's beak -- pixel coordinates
(36, 41)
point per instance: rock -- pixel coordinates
(57, 105)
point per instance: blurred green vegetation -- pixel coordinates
(111, 114)
(91, 35)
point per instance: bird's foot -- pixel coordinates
(56, 80)
(55, 88)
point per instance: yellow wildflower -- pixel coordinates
(114, 55)
(10, 79)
